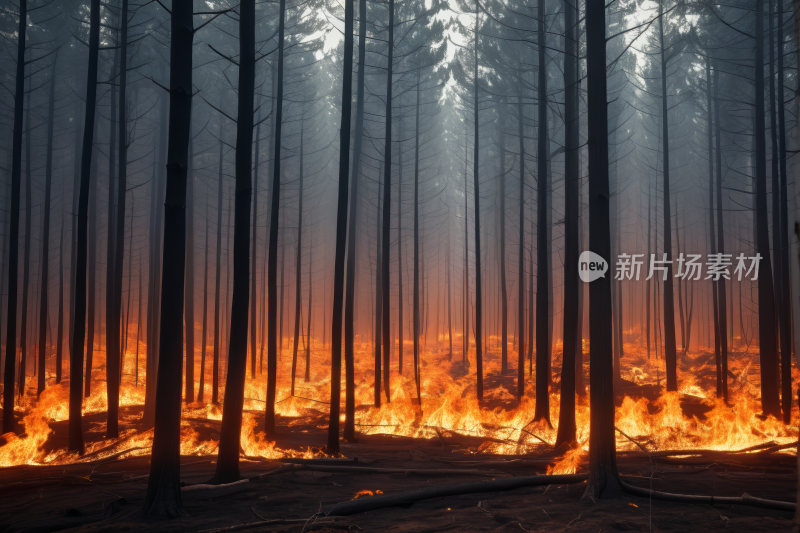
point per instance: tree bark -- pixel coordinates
(416, 319)
(542, 411)
(202, 384)
(603, 476)
(386, 308)
(477, 196)
(378, 296)
(670, 350)
(785, 295)
(48, 180)
(218, 279)
(272, 266)
(572, 283)
(163, 495)
(298, 266)
(770, 385)
(341, 224)
(188, 291)
(722, 319)
(227, 469)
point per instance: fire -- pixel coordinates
(363, 493)
(448, 408)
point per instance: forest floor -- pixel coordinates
(108, 495)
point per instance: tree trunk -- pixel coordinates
(26, 258)
(254, 255)
(603, 476)
(341, 223)
(386, 308)
(272, 266)
(521, 251)
(766, 298)
(92, 268)
(45, 261)
(155, 271)
(202, 384)
(378, 296)
(188, 291)
(349, 305)
(502, 244)
(465, 293)
(60, 327)
(308, 328)
(477, 196)
(113, 357)
(298, 266)
(416, 319)
(722, 320)
(227, 469)
(572, 283)
(76, 358)
(163, 488)
(670, 350)
(542, 411)
(218, 280)
(785, 295)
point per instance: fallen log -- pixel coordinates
(277, 522)
(203, 490)
(406, 498)
(407, 471)
(323, 461)
(744, 499)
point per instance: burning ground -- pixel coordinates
(675, 442)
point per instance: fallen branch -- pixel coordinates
(405, 498)
(407, 471)
(263, 523)
(322, 461)
(744, 499)
(216, 491)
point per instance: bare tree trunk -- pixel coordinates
(502, 244)
(163, 489)
(272, 266)
(45, 261)
(254, 254)
(477, 196)
(60, 327)
(386, 266)
(92, 269)
(113, 357)
(341, 223)
(202, 384)
(465, 292)
(785, 294)
(155, 270)
(378, 339)
(521, 251)
(417, 260)
(603, 476)
(298, 266)
(670, 350)
(26, 258)
(542, 411)
(227, 469)
(766, 298)
(308, 328)
(76, 359)
(572, 283)
(218, 281)
(721, 331)
(188, 291)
